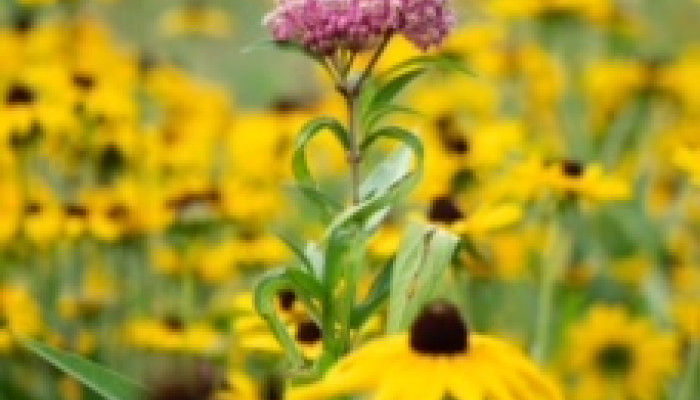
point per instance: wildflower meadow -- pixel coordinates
(350, 199)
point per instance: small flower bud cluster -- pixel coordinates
(324, 26)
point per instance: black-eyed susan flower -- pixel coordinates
(439, 357)
(43, 216)
(617, 357)
(571, 177)
(450, 212)
(172, 334)
(240, 386)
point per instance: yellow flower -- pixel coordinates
(240, 386)
(43, 216)
(615, 357)
(589, 181)
(632, 270)
(481, 220)
(97, 292)
(439, 357)
(196, 18)
(19, 315)
(11, 209)
(252, 334)
(113, 212)
(249, 201)
(387, 241)
(686, 159)
(171, 334)
(686, 312)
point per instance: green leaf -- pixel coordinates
(345, 261)
(388, 92)
(306, 135)
(410, 257)
(398, 166)
(442, 61)
(376, 116)
(378, 294)
(103, 381)
(418, 270)
(296, 247)
(300, 164)
(265, 297)
(326, 205)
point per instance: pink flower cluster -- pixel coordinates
(323, 26)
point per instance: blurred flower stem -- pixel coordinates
(558, 245)
(692, 370)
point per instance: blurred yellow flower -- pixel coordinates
(617, 357)
(20, 315)
(197, 18)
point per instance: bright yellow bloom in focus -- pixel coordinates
(440, 357)
(615, 357)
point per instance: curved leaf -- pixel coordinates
(440, 61)
(310, 292)
(265, 297)
(378, 294)
(375, 116)
(388, 92)
(299, 163)
(105, 382)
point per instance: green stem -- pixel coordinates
(557, 252)
(689, 380)
(355, 154)
(351, 91)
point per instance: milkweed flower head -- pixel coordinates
(324, 26)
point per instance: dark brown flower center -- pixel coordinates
(286, 299)
(118, 212)
(308, 332)
(20, 95)
(443, 209)
(615, 359)
(440, 330)
(174, 323)
(33, 208)
(76, 210)
(84, 82)
(572, 168)
(272, 388)
(451, 137)
(23, 23)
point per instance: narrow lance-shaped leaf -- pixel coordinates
(410, 257)
(105, 382)
(388, 92)
(390, 182)
(300, 165)
(378, 294)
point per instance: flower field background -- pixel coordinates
(146, 185)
